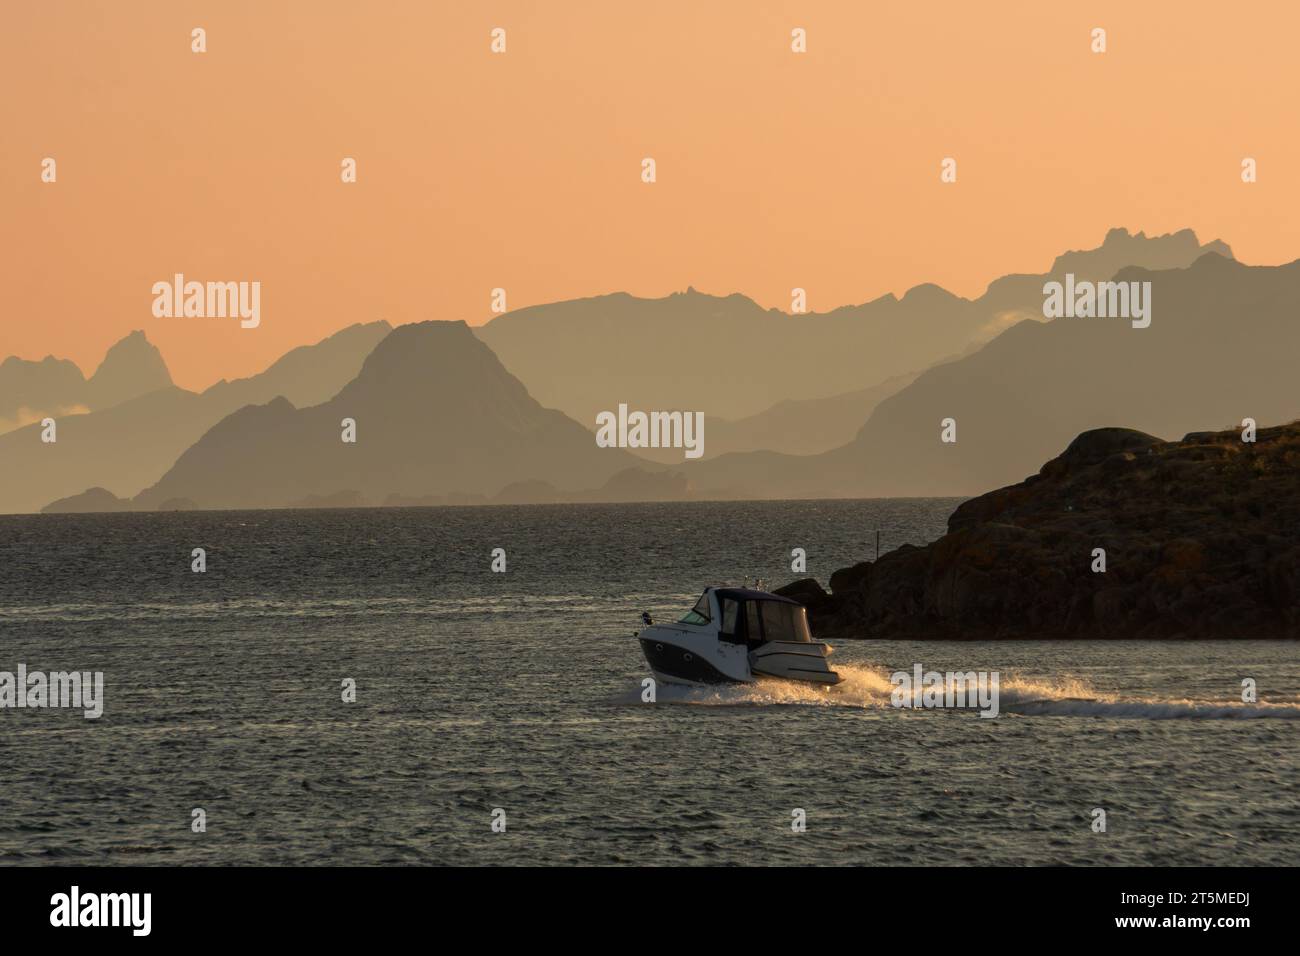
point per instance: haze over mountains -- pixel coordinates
(126, 447)
(440, 419)
(800, 426)
(1221, 347)
(730, 358)
(30, 391)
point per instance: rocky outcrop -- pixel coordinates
(1200, 539)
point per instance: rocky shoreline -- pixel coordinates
(1201, 540)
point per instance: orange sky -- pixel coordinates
(522, 170)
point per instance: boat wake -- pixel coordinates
(866, 687)
(1151, 709)
(861, 687)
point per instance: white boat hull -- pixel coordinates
(752, 635)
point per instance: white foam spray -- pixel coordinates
(869, 687)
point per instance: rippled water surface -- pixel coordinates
(521, 691)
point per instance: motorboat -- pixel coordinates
(736, 636)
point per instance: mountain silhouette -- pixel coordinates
(1119, 249)
(441, 419)
(730, 358)
(435, 412)
(797, 426)
(132, 367)
(30, 391)
(125, 448)
(91, 501)
(1220, 348)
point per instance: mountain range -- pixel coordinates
(439, 418)
(800, 426)
(31, 391)
(730, 358)
(126, 447)
(434, 412)
(1220, 348)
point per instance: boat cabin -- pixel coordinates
(749, 617)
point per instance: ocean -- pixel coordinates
(514, 699)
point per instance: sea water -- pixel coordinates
(517, 697)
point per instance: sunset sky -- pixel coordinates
(522, 170)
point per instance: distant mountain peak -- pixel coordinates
(926, 291)
(1213, 258)
(132, 367)
(1122, 248)
(435, 411)
(434, 360)
(453, 333)
(13, 361)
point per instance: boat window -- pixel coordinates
(730, 612)
(698, 614)
(784, 622)
(753, 629)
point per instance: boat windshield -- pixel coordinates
(698, 614)
(784, 622)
